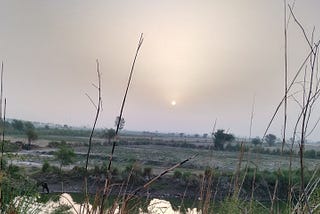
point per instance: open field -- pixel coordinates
(134, 153)
(149, 153)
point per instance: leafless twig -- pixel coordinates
(107, 181)
(98, 108)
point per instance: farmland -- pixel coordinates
(141, 156)
(158, 152)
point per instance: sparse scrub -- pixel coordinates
(65, 155)
(177, 174)
(10, 147)
(55, 144)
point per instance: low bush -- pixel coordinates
(55, 144)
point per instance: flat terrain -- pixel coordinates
(158, 153)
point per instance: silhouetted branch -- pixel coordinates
(3, 131)
(1, 90)
(288, 89)
(92, 102)
(301, 27)
(118, 125)
(98, 106)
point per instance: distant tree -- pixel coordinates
(256, 141)
(31, 136)
(310, 153)
(28, 126)
(120, 122)
(17, 124)
(220, 138)
(205, 135)
(270, 139)
(181, 134)
(64, 155)
(109, 134)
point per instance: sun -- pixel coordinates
(173, 103)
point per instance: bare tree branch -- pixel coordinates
(301, 27)
(91, 100)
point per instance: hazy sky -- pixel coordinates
(212, 57)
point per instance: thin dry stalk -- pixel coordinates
(217, 188)
(3, 129)
(117, 201)
(237, 186)
(308, 101)
(98, 109)
(206, 205)
(2, 151)
(125, 97)
(1, 119)
(286, 23)
(249, 157)
(3, 132)
(183, 197)
(285, 75)
(211, 146)
(293, 81)
(273, 199)
(146, 185)
(1, 90)
(310, 94)
(252, 190)
(202, 190)
(310, 188)
(251, 116)
(108, 179)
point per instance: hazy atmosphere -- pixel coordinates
(212, 58)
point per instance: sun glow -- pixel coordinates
(173, 103)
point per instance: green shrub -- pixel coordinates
(45, 166)
(78, 171)
(310, 154)
(14, 171)
(56, 144)
(177, 174)
(10, 147)
(134, 172)
(186, 176)
(115, 171)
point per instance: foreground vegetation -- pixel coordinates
(215, 173)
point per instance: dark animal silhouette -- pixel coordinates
(44, 186)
